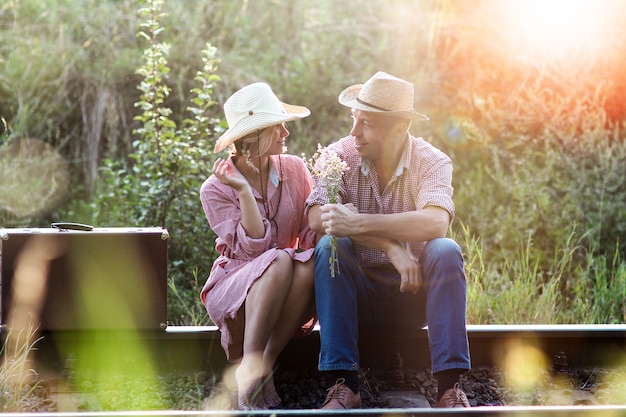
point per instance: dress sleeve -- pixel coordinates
(306, 236)
(222, 209)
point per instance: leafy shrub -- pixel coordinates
(159, 184)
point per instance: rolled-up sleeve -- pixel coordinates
(222, 210)
(306, 236)
(318, 196)
(436, 189)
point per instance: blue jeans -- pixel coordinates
(369, 298)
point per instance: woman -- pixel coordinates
(260, 290)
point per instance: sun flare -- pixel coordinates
(555, 26)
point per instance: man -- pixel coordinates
(397, 270)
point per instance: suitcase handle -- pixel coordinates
(73, 226)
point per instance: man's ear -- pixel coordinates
(401, 127)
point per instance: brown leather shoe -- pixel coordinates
(453, 398)
(341, 397)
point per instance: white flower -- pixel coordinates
(328, 168)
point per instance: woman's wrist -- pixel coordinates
(246, 189)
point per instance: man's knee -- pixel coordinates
(442, 255)
(442, 248)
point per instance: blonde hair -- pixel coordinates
(241, 147)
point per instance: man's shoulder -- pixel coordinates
(423, 149)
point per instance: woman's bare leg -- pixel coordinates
(263, 307)
(298, 302)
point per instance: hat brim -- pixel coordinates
(259, 121)
(348, 98)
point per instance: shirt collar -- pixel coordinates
(274, 175)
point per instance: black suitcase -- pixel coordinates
(65, 278)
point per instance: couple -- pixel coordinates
(273, 224)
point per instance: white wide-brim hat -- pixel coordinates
(382, 93)
(253, 108)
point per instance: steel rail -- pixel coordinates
(198, 347)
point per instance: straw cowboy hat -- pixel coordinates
(382, 93)
(253, 108)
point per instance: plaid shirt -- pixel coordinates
(423, 178)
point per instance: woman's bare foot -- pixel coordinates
(249, 389)
(271, 397)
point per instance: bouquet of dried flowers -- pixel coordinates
(328, 167)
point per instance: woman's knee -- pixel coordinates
(304, 271)
(282, 257)
(282, 267)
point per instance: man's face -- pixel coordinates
(372, 134)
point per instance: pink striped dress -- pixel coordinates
(242, 260)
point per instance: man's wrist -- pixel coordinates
(391, 246)
(362, 222)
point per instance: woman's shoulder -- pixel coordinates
(287, 158)
(213, 186)
(209, 182)
(291, 163)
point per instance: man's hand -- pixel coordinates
(407, 266)
(339, 220)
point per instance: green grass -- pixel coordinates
(18, 379)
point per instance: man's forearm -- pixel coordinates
(374, 242)
(413, 226)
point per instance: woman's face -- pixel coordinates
(276, 139)
(271, 141)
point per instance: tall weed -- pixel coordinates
(18, 379)
(478, 302)
(518, 290)
(607, 289)
(184, 307)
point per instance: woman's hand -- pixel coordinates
(229, 175)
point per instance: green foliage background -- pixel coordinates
(537, 140)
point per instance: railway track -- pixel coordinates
(180, 349)
(198, 347)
